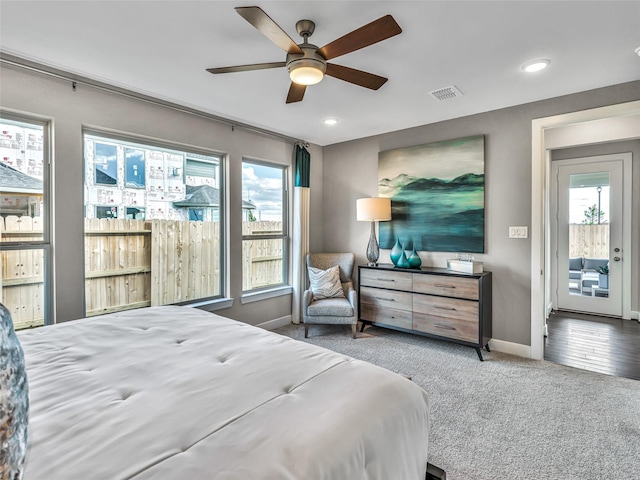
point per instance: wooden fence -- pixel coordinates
(590, 241)
(22, 278)
(135, 263)
(261, 259)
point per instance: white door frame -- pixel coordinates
(540, 235)
(623, 283)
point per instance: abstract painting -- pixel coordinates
(437, 196)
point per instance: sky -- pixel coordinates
(262, 186)
(582, 198)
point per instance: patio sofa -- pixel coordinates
(583, 273)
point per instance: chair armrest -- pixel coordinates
(353, 300)
(307, 297)
(352, 296)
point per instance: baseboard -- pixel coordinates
(635, 315)
(510, 348)
(275, 323)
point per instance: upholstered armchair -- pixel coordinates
(337, 310)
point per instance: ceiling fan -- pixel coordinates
(307, 64)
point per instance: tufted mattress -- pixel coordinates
(178, 393)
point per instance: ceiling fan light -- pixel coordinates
(306, 71)
(306, 75)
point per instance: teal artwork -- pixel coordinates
(437, 196)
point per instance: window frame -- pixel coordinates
(140, 142)
(45, 244)
(284, 286)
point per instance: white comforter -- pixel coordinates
(178, 393)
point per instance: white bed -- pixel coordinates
(178, 393)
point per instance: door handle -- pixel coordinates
(616, 259)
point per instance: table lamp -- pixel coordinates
(373, 210)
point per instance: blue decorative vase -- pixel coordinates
(396, 252)
(414, 259)
(402, 261)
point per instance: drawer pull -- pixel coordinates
(385, 279)
(387, 299)
(445, 308)
(446, 327)
(442, 285)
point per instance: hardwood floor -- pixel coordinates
(600, 344)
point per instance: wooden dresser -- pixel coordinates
(434, 302)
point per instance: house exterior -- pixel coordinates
(21, 171)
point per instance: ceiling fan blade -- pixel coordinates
(246, 68)
(374, 32)
(270, 29)
(296, 93)
(357, 77)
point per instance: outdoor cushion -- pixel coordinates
(575, 263)
(595, 263)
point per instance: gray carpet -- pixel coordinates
(507, 417)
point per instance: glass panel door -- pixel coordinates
(589, 237)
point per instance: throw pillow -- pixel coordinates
(325, 283)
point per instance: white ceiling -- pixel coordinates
(162, 48)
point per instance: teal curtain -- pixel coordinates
(302, 167)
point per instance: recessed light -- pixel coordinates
(330, 121)
(637, 50)
(536, 65)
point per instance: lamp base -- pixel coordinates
(373, 251)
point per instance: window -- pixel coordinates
(264, 225)
(135, 213)
(134, 168)
(196, 214)
(106, 212)
(25, 246)
(143, 245)
(106, 164)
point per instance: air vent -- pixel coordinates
(446, 93)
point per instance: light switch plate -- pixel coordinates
(519, 232)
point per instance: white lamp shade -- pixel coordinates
(373, 209)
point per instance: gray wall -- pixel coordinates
(36, 94)
(350, 172)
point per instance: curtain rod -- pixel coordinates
(23, 63)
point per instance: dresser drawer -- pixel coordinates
(458, 309)
(449, 286)
(385, 279)
(386, 298)
(388, 316)
(446, 327)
